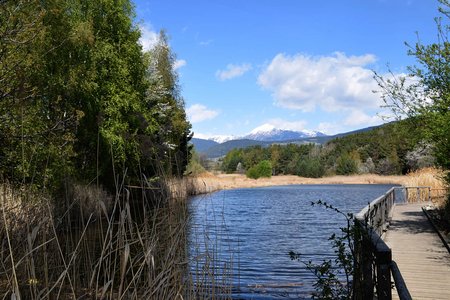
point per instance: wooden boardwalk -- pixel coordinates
(421, 257)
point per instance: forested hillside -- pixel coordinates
(80, 99)
(393, 148)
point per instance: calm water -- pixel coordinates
(241, 238)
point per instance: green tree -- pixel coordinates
(231, 160)
(36, 128)
(80, 99)
(173, 131)
(310, 167)
(346, 165)
(262, 169)
(423, 96)
(194, 167)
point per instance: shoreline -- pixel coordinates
(208, 182)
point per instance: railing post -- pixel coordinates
(384, 259)
(363, 286)
(429, 195)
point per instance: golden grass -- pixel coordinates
(210, 182)
(430, 177)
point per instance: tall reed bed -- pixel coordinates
(91, 245)
(429, 177)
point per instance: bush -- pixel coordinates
(346, 165)
(194, 167)
(231, 161)
(310, 167)
(263, 169)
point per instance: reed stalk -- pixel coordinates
(131, 245)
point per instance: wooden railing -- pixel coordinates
(373, 258)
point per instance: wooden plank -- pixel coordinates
(419, 253)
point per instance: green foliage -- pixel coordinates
(262, 169)
(345, 165)
(384, 150)
(194, 167)
(284, 159)
(426, 99)
(79, 97)
(385, 147)
(231, 160)
(423, 95)
(310, 167)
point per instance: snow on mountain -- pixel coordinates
(215, 138)
(222, 138)
(263, 128)
(269, 133)
(265, 133)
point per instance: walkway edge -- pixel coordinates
(436, 229)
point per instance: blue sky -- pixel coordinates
(293, 64)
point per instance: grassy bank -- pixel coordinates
(232, 181)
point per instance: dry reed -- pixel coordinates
(428, 177)
(132, 245)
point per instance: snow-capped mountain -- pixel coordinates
(216, 138)
(269, 133)
(222, 138)
(264, 133)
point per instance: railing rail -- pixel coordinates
(378, 213)
(373, 258)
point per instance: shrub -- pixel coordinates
(262, 169)
(346, 165)
(310, 167)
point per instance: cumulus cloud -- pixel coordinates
(329, 128)
(282, 124)
(179, 63)
(149, 37)
(198, 113)
(360, 118)
(233, 71)
(332, 82)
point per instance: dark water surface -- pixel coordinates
(240, 239)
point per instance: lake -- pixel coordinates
(239, 240)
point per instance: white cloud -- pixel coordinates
(198, 113)
(282, 124)
(329, 128)
(202, 136)
(149, 38)
(332, 82)
(179, 63)
(233, 71)
(360, 118)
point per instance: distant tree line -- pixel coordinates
(387, 150)
(81, 100)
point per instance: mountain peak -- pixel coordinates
(270, 133)
(263, 128)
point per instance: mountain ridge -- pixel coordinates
(217, 150)
(275, 135)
